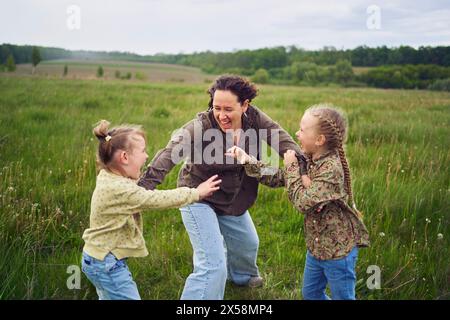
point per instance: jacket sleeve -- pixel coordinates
(274, 131)
(137, 199)
(269, 176)
(179, 147)
(325, 186)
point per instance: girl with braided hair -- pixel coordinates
(333, 226)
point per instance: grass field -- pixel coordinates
(398, 151)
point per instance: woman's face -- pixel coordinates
(227, 110)
(307, 134)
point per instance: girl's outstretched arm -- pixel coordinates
(269, 176)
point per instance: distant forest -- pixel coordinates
(266, 58)
(400, 67)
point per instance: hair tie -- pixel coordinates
(107, 138)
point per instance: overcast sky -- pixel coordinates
(173, 26)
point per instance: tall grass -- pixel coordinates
(398, 150)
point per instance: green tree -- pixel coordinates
(140, 76)
(100, 71)
(440, 85)
(10, 63)
(344, 71)
(304, 71)
(261, 76)
(66, 70)
(35, 58)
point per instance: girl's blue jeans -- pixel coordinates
(111, 277)
(339, 274)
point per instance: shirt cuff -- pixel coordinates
(251, 160)
(253, 167)
(195, 194)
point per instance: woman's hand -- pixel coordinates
(289, 158)
(239, 154)
(207, 188)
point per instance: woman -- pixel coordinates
(224, 216)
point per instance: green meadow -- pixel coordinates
(398, 150)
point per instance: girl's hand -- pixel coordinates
(207, 188)
(239, 154)
(289, 158)
(306, 181)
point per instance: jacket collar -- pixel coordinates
(322, 157)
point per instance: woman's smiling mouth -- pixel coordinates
(225, 123)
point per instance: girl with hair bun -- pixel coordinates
(115, 230)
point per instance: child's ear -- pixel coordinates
(123, 157)
(320, 141)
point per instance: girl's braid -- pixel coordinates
(339, 146)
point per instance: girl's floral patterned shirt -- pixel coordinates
(332, 227)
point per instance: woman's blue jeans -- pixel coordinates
(224, 247)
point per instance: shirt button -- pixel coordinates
(314, 221)
(316, 239)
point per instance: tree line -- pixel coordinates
(248, 61)
(251, 60)
(401, 67)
